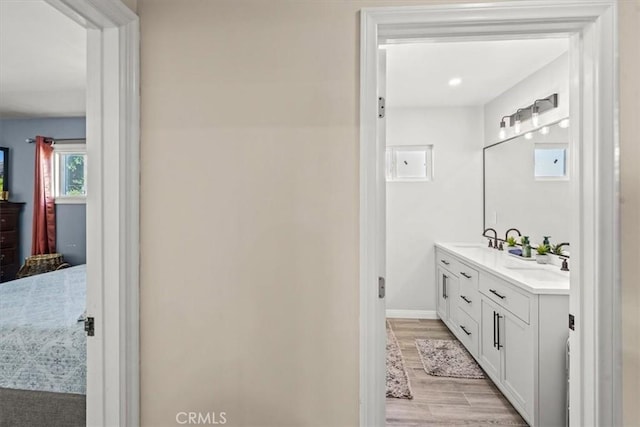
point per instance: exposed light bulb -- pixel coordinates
(535, 117)
(564, 123)
(517, 126)
(544, 130)
(528, 135)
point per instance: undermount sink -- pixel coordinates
(469, 245)
(472, 247)
(544, 275)
(533, 271)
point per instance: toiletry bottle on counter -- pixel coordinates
(526, 247)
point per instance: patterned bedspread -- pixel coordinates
(42, 344)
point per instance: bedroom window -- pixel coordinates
(70, 173)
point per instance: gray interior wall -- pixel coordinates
(70, 219)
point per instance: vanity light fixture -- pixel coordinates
(455, 81)
(535, 115)
(532, 112)
(550, 101)
(544, 130)
(503, 128)
(518, 125)
(564, 123)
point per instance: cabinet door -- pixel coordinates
(489, 351)
(443, 278)
(517, 360)
(453, 299)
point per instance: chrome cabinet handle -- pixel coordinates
(445, 262)
(493, 291)
(468, 301)
(465, 275)
(465, 330)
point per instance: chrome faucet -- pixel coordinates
(493, 244)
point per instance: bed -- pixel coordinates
(43, 349)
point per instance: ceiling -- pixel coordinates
(418, 74)
(42, 61)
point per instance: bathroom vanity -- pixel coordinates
(512, 317)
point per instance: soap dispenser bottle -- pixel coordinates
(545, 241)
(526, 247)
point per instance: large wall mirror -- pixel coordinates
(527, 184)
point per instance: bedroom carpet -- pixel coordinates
(20, 408)
(397, 377)
(443, 401)
(447, 358)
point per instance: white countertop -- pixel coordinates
(527, 275)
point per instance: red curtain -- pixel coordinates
(43, 240)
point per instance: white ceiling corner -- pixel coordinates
(42, 61)
(418, 74)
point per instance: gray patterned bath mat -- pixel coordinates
(447, 358)
(397, 378)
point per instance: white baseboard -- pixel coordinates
(412, 314)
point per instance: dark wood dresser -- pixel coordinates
(9, 240)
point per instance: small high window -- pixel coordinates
(550, 161)
(409, 163)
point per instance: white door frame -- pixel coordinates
(596, 393)
(113, 128)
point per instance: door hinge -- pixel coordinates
(380, 107)
(381, 289)
(89, 326)
(572, 322)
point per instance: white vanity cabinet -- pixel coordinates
(516, 332)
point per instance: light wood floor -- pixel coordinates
(439, 401)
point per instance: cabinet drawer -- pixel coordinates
(8, 272)
(448, 262)
(468, 329)
(468, 275)
(469, 299)
(9, 221)
(7, 256)
(505, 294)
(8, 239)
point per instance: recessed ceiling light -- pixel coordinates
(528, 135)
(544, 130)
(455, 81)
(564, 123)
